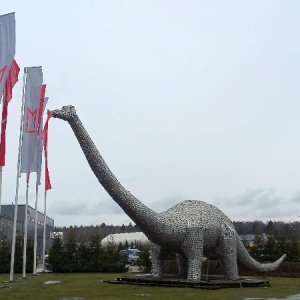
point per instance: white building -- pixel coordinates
(132, 237)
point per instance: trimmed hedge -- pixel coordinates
(5, 255)
(73, 257)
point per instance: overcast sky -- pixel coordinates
(184, 100)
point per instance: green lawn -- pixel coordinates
(90, 286)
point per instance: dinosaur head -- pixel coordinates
(66, 113)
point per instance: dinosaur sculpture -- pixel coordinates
(190, 228)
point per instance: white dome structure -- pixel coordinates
(129, 237)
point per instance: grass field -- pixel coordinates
(91, 286)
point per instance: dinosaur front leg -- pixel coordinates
(193, 250)
(157, 260)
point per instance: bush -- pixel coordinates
(92, 257)
(144, 261)
(5, 252)
(55, 260)
(5, 255)
(112, 260)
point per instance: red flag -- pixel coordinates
(45, 142)
(41, 107)
(12, 79)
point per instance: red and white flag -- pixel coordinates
(11, 80)
(7, 47)
(45, 142)
(39, 153)
(42, 105)
(32, 105)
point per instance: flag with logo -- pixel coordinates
(33, 103)
(7, 47)
(11, 80)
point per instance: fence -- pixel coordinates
(213, 267)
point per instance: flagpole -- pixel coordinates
(13, 245)
(25, 227)
(38, 175)
(1, 170)
(35, 228)
(47, 181)
(44, 235)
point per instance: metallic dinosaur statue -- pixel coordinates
(190, 228)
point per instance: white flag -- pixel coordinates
(7, 46)
(32, 106)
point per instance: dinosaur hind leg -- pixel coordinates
(182, 263)
(228, 256)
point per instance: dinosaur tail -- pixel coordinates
(246, 260)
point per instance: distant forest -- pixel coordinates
(83, 234)
(278, 229)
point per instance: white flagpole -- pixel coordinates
(13, 245)
(44, 235)
(35, 228)
(1, 169)
(0, 196)
(38, 175)
(25, 228)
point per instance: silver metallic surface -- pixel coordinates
(190, 228)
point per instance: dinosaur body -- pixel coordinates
(190, 228)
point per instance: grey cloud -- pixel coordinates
(296, 198)
(84, 207)
(251, 197)
(67, 207)
(259, 204)
(166, 203)
(191, 111)
(108, 206)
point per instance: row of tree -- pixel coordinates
(133, 245)
(270, 249)
(5, 255)
(83, 234)
(85, 257)
(276, 228)
(92, 257)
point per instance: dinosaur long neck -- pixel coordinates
(143, 216)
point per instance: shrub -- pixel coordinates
(92, 257)
(55, 260)
(144, 261)
(5, 255)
